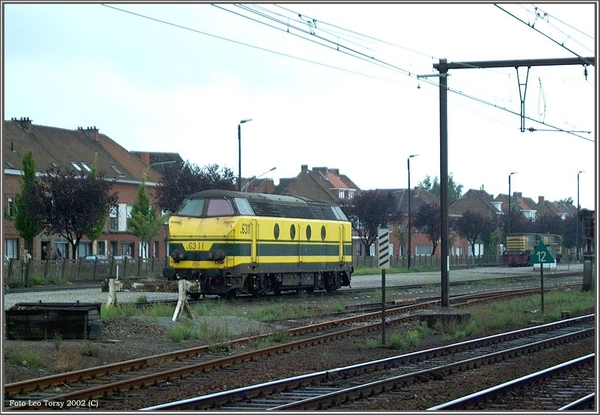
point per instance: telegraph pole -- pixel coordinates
(442, 67)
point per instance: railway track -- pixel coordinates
(567, 386)
(338, 388)
(93, 384)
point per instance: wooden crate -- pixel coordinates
(46, 321)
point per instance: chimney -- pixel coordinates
(24, 123)
(145, 156)
(90, 132)
(540, 200)
(304, 168)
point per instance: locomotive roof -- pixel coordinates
(263, 196)
(279, 205)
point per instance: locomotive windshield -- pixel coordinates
(219, 207)
(212, 207)
(191, 207)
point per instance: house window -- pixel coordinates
(478, 250)
(76, 166)
(423, 249)
(10, 208)
(84, 249)
(127, 248)
(12, 248)
(113, 219)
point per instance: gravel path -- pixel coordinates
(95, 295)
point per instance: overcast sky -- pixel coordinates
(347, 86)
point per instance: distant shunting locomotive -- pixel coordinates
(231, 243)
(520, 247)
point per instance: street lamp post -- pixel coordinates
(577, 221)
(509, 208)
(156, 164)
(409, 250)
(247, 185)
(240, 151)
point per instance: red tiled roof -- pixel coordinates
(62, 147)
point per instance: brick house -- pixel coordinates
(525, 205)
(320, 183)
(561, 209)
(420, 244)
(476, 201)
(79, 150)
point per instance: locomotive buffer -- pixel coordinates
(541, 256)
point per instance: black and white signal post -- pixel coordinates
(383, 259)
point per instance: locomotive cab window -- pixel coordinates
(219, 207)
(339, 213)
(192, 207)
(243, 207)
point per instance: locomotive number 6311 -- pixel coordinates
(231, 243)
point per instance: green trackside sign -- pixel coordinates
(541, 256)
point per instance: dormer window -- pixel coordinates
(119, 172)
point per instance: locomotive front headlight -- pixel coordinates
(216, 255)
(178, 255)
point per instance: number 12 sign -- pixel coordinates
(541, 255)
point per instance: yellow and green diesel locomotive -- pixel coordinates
(232, 243)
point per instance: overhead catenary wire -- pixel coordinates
(335, 45)
(574, 133)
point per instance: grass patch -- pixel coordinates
(502, 315)
(121, 310)
(282, 311)
(370, 343)
(186, 330)
(90, 349)
(158, 310)
(142, 299)
(22, 357)
(181, 332)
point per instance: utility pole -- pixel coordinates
(442, 67)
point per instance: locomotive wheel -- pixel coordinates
(195, 296)
(231, 294)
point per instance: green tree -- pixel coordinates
(428, 221)
(72, 204)
(27, 221)
(491, 235)
(369, 211)
(96, 232)
(473, 226)
(144, 222)
(454, 189)
(183, 179)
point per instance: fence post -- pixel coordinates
(112, 294)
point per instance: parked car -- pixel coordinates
(123, 258)
(101, 259)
